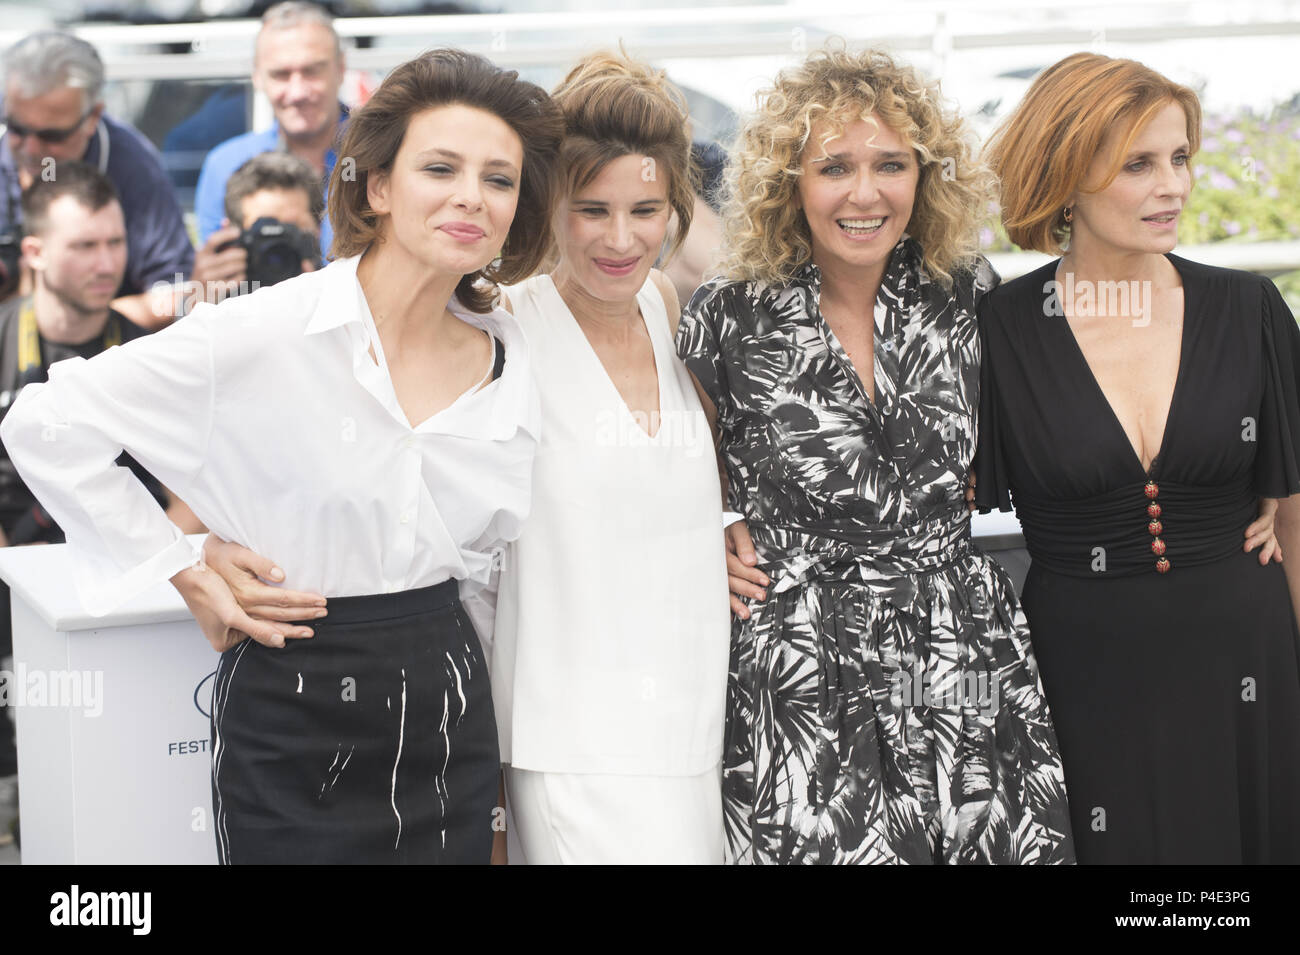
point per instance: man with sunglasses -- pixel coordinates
(54, 112)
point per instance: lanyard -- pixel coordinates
(31, 368)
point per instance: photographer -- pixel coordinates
(298, 65)
(274, 207)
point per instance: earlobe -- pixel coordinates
(31, 249)
(377, 191)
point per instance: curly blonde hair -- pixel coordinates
(765, 235)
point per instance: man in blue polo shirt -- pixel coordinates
(298, 64)
(54, 112)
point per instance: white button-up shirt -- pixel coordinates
(267, 415)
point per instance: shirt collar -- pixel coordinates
(512, 402)
(336, 305)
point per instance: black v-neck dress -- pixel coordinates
(1169, 657)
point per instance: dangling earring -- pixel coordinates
(1068, 212)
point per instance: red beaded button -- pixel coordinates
(1152, 490)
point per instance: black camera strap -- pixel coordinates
(31, 365)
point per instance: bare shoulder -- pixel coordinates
(672, 305)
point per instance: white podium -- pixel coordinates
(112, 721)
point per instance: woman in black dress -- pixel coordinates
(1137, 406)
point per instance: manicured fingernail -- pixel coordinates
(277, 573)
(322, 612)
(304, 632)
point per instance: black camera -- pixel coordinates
(276, 251)
(10, 254)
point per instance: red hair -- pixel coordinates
(1042, 153)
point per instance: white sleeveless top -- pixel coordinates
(613, 622)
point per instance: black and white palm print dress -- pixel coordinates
(883, 704)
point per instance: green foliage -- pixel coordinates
(1247, 176)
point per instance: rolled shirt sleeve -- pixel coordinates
(152, 397)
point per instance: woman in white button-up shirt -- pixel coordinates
(373, 425)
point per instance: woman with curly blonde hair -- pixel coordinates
(883, 702)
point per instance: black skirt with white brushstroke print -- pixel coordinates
(373, 741)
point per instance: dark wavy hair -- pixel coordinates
(448, 77)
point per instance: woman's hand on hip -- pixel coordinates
(219, 616)
(246, 573)
(1262, 534)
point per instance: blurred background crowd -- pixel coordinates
(205, 130)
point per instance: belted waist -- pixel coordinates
(790, 555)
(873, 584)
(1148, 528)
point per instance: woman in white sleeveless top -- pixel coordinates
(612, 629)
(609, 660)
(611, 639)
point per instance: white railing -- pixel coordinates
(937, 27)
